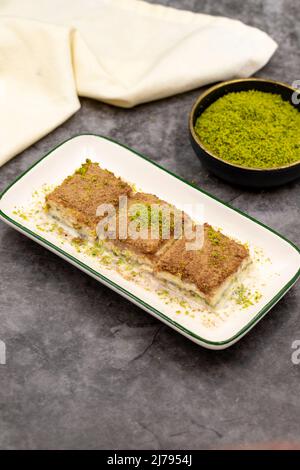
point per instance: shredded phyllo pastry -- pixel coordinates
(207, 271)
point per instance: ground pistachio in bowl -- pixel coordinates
(251, 129)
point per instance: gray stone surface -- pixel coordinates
(87, 369)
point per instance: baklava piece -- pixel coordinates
(147, 228)
(208, 271)
(76, 200)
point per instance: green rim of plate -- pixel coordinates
(137, 300)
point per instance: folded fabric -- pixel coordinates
(122, 52)
(37, 86)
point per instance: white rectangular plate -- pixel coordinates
(219, 329)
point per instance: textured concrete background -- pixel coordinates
(87, 369)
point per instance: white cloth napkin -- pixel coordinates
(123, 52)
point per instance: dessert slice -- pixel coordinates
(208, 271)
(144, 229)
(76, 200)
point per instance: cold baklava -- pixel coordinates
(146, 228)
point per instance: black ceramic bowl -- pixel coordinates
(249, 177)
